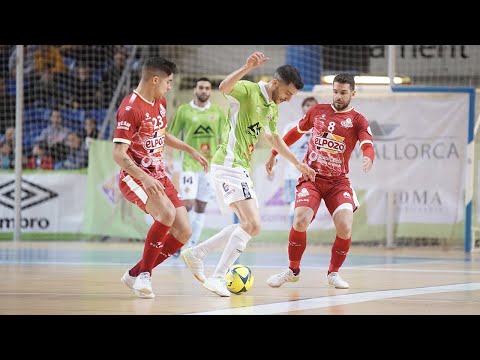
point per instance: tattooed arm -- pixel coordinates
(151, 185)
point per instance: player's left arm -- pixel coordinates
(365, 138)
(178, 144)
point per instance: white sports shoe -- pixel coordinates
(194, 264)
(129, 281)
(143, 283)
(280, 279)
(217, 285)
(335, 280)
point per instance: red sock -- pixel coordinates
(170, 247)
(153, 246)
(297, 243)
(339, 253)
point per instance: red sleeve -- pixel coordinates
(368, 151)
(306, 123)
(127, 124)
(290, 138)
(363, 131)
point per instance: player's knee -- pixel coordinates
(184, 235)
(301, 223)
(344, 230)
(344, 233)
(165, 216)
(252, 227)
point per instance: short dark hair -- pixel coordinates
(345, 79)
(156, 64)
(203, 79)
(289, 75)
(307, 99)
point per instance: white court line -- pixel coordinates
(419, 270)
(323, 302)
(207, 266)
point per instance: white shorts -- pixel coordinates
(196, 185)
(231, 185)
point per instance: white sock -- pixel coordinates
(236, 244)
(197, 227)
(191, 216)
(219, 240)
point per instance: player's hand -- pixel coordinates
(255, 60)
(367, 164)
(270, 164)
(307, 172)
(200, 159)
(153, 187)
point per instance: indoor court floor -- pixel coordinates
(83, 278)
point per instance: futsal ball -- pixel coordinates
(239, 279)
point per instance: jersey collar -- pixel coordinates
(141, 97)
(262, 84)
(195, 106)
(343, 111)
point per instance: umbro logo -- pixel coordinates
(31, 194)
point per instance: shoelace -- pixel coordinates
(284, 274)
(144, 276)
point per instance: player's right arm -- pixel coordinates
(279, 144)
(151, 185)
(255, 60)
(291, 137)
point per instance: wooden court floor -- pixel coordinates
(79, 278)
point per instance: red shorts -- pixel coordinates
(134, 192)
(337, 195)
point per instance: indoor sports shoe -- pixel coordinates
(335, 280)
(217, 285)
(194, 264)
(144, 295)
(129, 281)
(280, 279)
(143, 283)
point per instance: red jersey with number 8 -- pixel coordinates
(334, 136)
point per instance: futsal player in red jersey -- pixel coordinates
(139, 140)
(336, 129)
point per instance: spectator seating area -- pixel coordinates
(35, 119)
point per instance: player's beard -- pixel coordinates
(342, 106)
(203, 98)
(275, 97)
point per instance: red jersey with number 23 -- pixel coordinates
(142, 124)
(334, 135)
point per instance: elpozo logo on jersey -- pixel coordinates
(31, 195)
(330, 143)
(154, 143)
